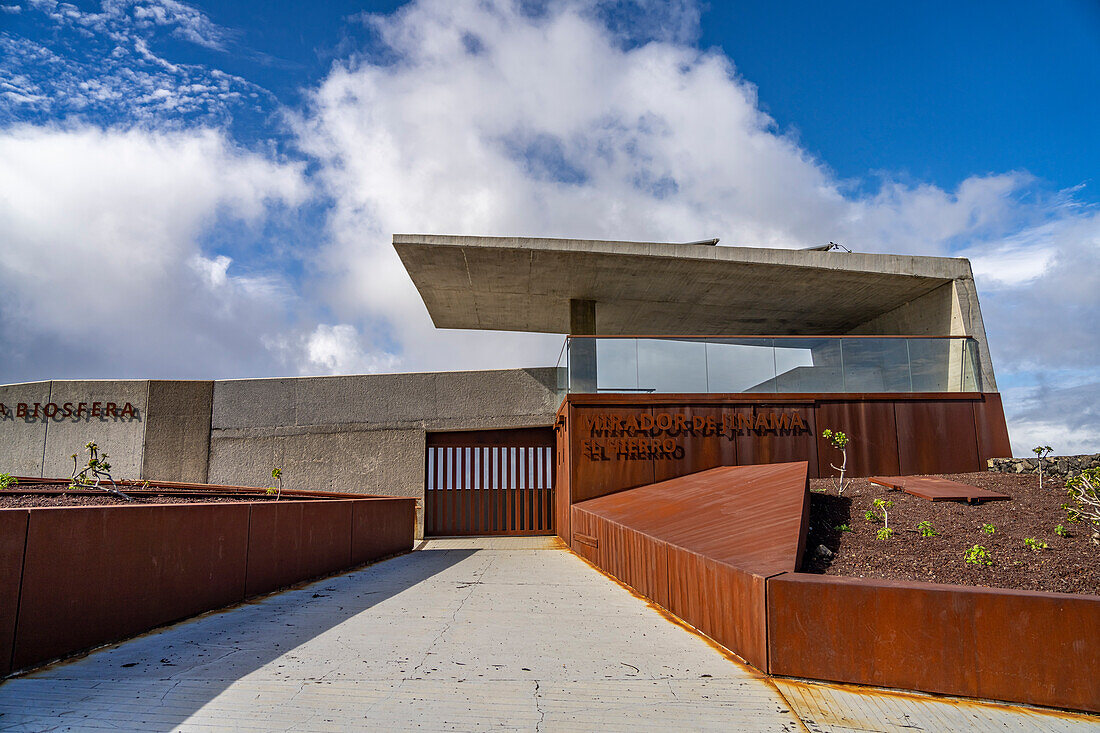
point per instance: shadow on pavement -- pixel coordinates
(209, 652)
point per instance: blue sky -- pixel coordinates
(236, 169)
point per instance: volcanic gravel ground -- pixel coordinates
(12, 499)
(1070, 564)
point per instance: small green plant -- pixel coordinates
(881, 510)
(7, 480)
(842, 528)
(1041, 452)
(1061, 531)
(978, 555)
(839, 441)
(870, 516)
(1084, 492)
(277, 474)
(96, 470)
(989, 529)
(1035, 545)
(926, 530)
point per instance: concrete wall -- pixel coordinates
(177, 434)
(41, 445)
(950, 310)
(363, 433)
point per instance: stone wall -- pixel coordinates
(1058, 466)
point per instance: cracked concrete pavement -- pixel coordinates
(503, 634)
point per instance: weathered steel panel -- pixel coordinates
(749, 516)
(599, 473)
(724, 602)
(516, 437)
(381, 527)
(873, 431)
(703, 448)
(936, 436)
(292, 541)
(1021, 646)
(776, 445)
(991, 428)
(13, 540)
(96, 574)
(701, 545)
(937, 489)
(563, 469)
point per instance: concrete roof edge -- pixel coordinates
(951, 268)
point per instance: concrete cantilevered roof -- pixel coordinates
(526, 284)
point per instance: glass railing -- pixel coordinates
(778, 364)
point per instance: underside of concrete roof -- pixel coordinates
(653, 288)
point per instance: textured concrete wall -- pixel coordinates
(57, 425)
(950, 310)
(177, 433)
(363, 433)
(22, 440)
(120, 437)
(166, 437)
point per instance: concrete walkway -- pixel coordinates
(502, 634)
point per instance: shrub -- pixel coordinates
(96, 470)
(1041, 452)
(1084, 492)
(1035, 545)
(1061, 531)
(7, 480)
(989, 529)
(926, 530)
(839, 441)
(881, 507)
(277, 474)
(978, 555)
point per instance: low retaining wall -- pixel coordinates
(1019, 646)
(79, 577)
(1016, 646)
(1059, 466)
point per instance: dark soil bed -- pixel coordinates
(15, 498)
(1069, 564)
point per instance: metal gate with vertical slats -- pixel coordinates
(489, 482)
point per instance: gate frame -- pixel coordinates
(522, 505)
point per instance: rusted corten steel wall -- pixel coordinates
(612, 442)
(291, 540)
(84, 576)
(701, 546)
(1019, 646)
(13, 539)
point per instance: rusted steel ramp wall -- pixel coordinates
(703, 545)
(720, 549)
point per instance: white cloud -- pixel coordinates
(102, 264)
(336, 350)
(105, 64)
(485, 117)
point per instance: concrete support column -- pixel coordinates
(582, 352)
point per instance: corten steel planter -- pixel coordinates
(994, 643)
(720, 550)
(702, 545)
(77, 577)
